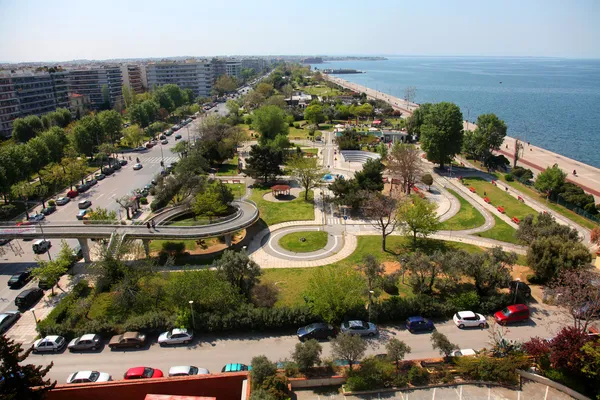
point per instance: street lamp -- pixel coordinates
(192, 310)
(371, 292)
(37, 328)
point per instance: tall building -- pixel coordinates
(134, 77)
(233, 68)
(196, 75)
(259, 65)
(24, 93)
(91, 81)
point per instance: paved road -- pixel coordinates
(214, 351)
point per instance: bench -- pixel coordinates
(516, 220)
(520, 199)
(487, 200)
(501, 209)
(472, 189)
(494, 183)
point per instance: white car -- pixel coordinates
(49, 343)
(176, 336)
(361, 328)
(463, 352)
(469, 319)
(88, 376)
(137, 166)
(186, 370)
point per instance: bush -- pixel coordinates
(566, 379)
(51, 203)
(174, 249)
(307, 354)
(356, 384)
(390, 283)
(296, 125)
(55, 322)
(143, 201)
(373, 374)
(291, 369)
(262, 368)
(151, 322)
(465, 301)
(485, 368)
(276, 386)
(509, 177)
(493, 303)
(418, 376)
(158, 204)
(265, 294)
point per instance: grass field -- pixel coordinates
(501, 231)
(313, 241)
(274, 213)
(467, 217)
(238, 189)
(321, 90)
(228, 168)
(498, 197)
(297, 134)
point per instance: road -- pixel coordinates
(213, 352)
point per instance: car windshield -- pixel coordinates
(193, 371)
(94, 376)
(506, 311)
(148, 372)
(310, 328)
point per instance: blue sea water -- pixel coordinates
(553, 103)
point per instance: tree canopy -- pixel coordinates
(269, 121)
(442, 132)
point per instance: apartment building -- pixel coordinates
(134, 76)
(197, 75)
(233, 68)
(259, 65)
(24, 93)
(91, 81)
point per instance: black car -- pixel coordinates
(4, 241)
(28, 298)
(123, 162)
(82, 188)
(107, 171)
(116, 167)
(48, 210)
(319, 330)
(18, 280)
(521, 288)
(8, 318)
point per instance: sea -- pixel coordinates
(553, 103)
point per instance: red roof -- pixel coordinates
(280, 187)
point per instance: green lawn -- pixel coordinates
(321, 90)
(313, 241)
(297, 134)
(501, 231)
(238, 189)
(467, 217)
(228, 168)
(498, 197)
(274, 213)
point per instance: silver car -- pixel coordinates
(176, 336)
(360, 328)
(89, 341)
(186, 370)
(50, 343)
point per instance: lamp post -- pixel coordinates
(192, 310)
(36, 320)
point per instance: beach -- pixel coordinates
(533, 157)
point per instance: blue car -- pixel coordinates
(235, 367)
(419, 324)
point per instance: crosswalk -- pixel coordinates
(335, 221)
(157, 160)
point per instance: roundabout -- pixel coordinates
(318, 243)
(304, 242)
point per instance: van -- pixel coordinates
(41, 246)
(513, 313)
(28, 298)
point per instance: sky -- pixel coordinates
(62, 30)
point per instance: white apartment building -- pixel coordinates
(197, 75)
(259, 65)
(134, 77)
(89, 82)
(233, 68)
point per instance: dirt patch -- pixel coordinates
(521, 272)
(391, 267)
(210, 245)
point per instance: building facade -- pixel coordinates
(99, 84)
(233, 68)
(259, 65)
(195, 75)
(134, 77)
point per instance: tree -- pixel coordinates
(50, 271)
(264, 162)
(548, 256)
(27, 128)
(370, 178)
(440, 342)
(265, 89)
(307, 354)
(397, 350)
(442, 133)
(418, 216)
(404, 161)
(417, 119)
(189, 96)
(423, 271)
(128, 97)
(23, 190)
(550, 180)
(262, 368)
(307, 172)
(101, 215)
(133, 135)
(21, 381)
(177, 96)
(590, 354)
(83, 139)
(314, 114)
(490, 270)
(381, 211)
(162, 98)
(544, 225)
(111, 124)
(332, 292)
(239, 270)
(213, 201)
(350, 348)
(126, 203)
(373, 272)
(346, 192)
(269, 121)
(224, 84)
(488, 136)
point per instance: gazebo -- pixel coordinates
(278, 190)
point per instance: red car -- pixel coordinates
(143, 373)
(514, 313)
(72, 194)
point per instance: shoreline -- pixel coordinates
(535, 157)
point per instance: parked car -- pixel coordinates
(469, 319)
(319, 330)
(61, 201)
(513, 313)
(137, 166)
(123, 163)
(186, 370)
(82, 188)
(127, 340)
(41, 246)
(177, 137)
(176, 336)
(83, 204)
(88, 377)
(149, 145)
(81, 214)
(521, 288)
(89, 341)
(4, 241)
(419, 324)
(107, 171)
(48, 210)
(77, 253)
(164, 141)
(358, 327)
(143, 373)
(72, 194)
(20, 279)
(99, 176)
(234, 367)
(52, 343)
(140, 148)
(162, 137)
(28, 298)
(91, 181)
(7, 319)
(116, 166)
(37, 217)
(463, 353)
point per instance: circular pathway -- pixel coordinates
(335, 243)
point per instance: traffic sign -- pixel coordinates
(345, 217)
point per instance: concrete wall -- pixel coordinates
(552, 384)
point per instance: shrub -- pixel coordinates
(291, 369)
(495, 302)
(400, 380)
(157, 204)
(375, 373)
(418, 376)
(276, 386)
(262, 368)
(51, 203)
(307, 354)
(55, 321)
(151, 321)
(390, 283)
(356, 384)
(261, 394)
(485, 368)
(465, 301)
(265, 294)
(143, 200)
(247, 317)
(509, 177)
(174, 249)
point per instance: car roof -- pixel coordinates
(233, 367)
(179, 330)
(518, 307)
(415, 319)
(135, 371)
(467, 352)
(83, 375)
(179, 369)
(27, 291)
(130, 335)
(355, 323)
(89, 336)
(466, 314)
(52, 338)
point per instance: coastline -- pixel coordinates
(534, 157)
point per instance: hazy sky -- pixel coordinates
(43, 30)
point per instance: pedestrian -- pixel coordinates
(506, 188)
(153, 225)
(148, 225)
(484, 193)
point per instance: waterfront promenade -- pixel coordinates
(532, 156)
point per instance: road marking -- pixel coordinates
(99, 196)
(433, 397)
(546, 395)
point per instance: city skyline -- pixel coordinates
(31, 31)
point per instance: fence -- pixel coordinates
(557, 199)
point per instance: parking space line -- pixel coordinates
(433, 397)
(546, 395)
